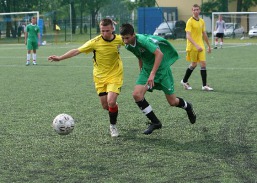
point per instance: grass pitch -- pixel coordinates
(220, 147)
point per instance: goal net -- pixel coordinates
(12, 25)
(238, 25)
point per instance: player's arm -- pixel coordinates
(189, 37)
(140, 63)
(38, 38)
(25, 37)
(205, 37)
(68, 54)
(158, 58)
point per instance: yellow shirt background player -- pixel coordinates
(195, 50)
(108, 68)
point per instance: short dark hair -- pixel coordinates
(126, 29)
(106, 22)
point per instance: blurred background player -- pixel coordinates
(220, 28)
(195, 50)
(32, 38)
(108, 68)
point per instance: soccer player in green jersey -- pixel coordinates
(155, 56)
(32, 37)
(108, 68)
(195, 50)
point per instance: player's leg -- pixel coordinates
(145, 107)
(113, 93)
(113, 112)
(221, 40)
(34, 56)
(181, 103)
(216, 41)
(112, 107)
(203, 72)
(29, 48)
(191, 57)
(103, 100)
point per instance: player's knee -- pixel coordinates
(112, 103)
(192, 66)
(137, 96)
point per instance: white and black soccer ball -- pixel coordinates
(63, 124)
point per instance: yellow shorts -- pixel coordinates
(195, 56)
(108, 87)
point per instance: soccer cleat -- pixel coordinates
(191, 113)
(215, 47)
(27, 63)
(34, 63)
(152, 127)
(207, 88)
(186, 85)
(114, 131)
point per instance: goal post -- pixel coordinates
(237, 24)
(12, 25)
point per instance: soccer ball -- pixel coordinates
(63, 124)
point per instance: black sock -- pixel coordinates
(188, 74)
(113, 117)
(183, 104)
(147, 110)
(113, 114)
(204, 76)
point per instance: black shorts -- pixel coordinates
(220, 35)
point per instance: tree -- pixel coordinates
(94, 7)
(215, 6)
(244, 5)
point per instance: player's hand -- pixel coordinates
(150, 81)
(209, 50)
(199, 48)
(53, 58)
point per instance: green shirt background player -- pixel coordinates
(32, 37)
(155, 55)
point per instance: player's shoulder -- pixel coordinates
(118, 37)
(96, 39)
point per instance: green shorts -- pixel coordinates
(32, 44)
(163, 81)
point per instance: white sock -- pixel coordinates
(221, 43)
(34, 57)
(28, 57)
(216, 43)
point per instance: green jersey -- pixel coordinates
(33, 31)
(145, 47)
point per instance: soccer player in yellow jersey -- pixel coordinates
(195, 50)
(108, 68)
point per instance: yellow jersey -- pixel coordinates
(107, 62)
(196, 28)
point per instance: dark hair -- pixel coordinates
(106, 22)
(126, 29)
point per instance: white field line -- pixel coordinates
(130, 57)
